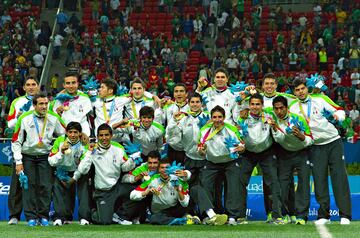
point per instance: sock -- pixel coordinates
(210, 212)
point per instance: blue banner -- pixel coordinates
(255, 203)
(5, 153)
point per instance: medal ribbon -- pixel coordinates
(209, 136)
(133, 108)
(40, 136)
(112, 107)
(308, 110)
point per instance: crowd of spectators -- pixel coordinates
(23, 45)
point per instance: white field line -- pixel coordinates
(323, 231)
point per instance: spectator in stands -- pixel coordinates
(303, 21)
(188, 26)
(62, 20)
(293, 60)
(354, 58)
(323, 59)
(340, 18)
(38, 61)
(355, 78)
(354, 114)
(58, 39)
(232, 63)
(5, 18)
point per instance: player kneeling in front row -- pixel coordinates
(169, 196)
(65, 155)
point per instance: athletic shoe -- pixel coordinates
(232, 221)
(13, 221)
(293, 219)
(57, 222)
(322, 221)
(192, 220)
(242, 221)
(269, 218)
(119, 220)
(67, 222)
(300, 221)
(136, 221)
(44, 222)
(287, 219)
(344, 221)
(84, 222)
(178, 221)
(32, 222)
(278, 221)
(217, 220)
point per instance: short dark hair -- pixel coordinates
(180, 85)
(297, 82)
(74, 125)
(195, 95)
(104, 127)
(257, 96)
(147, 111)
(110, 84)
(218, 109)
(71, 74)
(281, 99)
(37, 96)
(154, 154)
(31, 78)
(164, 161)
(221, 70)
(137, 80)
(269, 75)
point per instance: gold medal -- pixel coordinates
(40, 144)
(203, 82)
(68, 151)
(66, 108)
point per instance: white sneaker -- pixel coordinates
(322, 221)
(117, 219)
(67, 222)
(13, 221)
(136, 221)
(344, 221)
(57, 222)
(232, 222)
(84, 222)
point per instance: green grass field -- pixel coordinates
(254, 229)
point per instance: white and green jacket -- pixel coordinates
(150, 139)
(15, 107)
(225, 99)
(109, 163)
(289, 141)
(78, 110)
(114, 107)
(166, 114)
(322, 130)
(136, 105)
(25, 139)
(168, 196)
(268, 100)
(216, 150)
(185, 133)
(258, 138)
(68, 162)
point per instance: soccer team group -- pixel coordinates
(135, 158)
